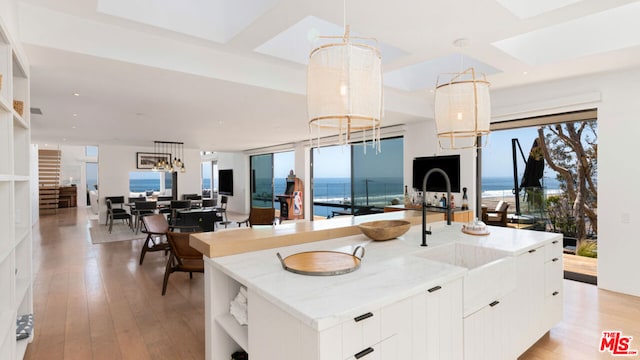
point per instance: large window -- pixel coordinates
(348, 180)
(269, 177)
(150, 181)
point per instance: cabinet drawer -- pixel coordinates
(360, 332)
(553, 307)
(553, 275)
(387, 349)
(553, 250)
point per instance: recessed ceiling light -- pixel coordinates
(524, 73)
(74, 115)
(73, 127)
(76, 94)
(64, 139)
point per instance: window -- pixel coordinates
(269, 177)
(144, 181)
(91, 151)
(209, 178)
(346, 180)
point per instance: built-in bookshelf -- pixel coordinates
(16, 277)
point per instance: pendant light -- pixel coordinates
(172, 150)
(344, 89)
(462, 108)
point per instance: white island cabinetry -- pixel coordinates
(398, 305)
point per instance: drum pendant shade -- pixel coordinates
(344, 89)
(462, 110)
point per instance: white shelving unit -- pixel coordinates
(16, 273)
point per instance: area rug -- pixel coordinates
(120, 232)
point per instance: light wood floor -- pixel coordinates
(96, 302)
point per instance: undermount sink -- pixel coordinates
(491, 273)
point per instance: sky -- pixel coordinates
(497, 158)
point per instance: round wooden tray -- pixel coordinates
(322, 263)
(475, 233)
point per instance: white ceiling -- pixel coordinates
(219, 76)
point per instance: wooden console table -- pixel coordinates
(68, 196)
(459, 215)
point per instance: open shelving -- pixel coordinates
(16, 273)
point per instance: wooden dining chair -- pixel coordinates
(156, 227)
(260, 216)
(182, 257)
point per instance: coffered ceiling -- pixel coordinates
(229, 75)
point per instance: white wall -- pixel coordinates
(115, 163)
(618, 129)
(239, 162)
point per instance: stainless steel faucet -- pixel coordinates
(426, 232)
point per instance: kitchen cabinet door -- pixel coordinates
(437, 322)
(488, 332)
(529, 296)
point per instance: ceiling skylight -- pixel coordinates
(215, 20)
(424, 75)
(609, 30)
(295, 43)
(530, 8)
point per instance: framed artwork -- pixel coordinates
(148, 160)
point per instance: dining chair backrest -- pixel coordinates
(179, 242)
(208, 202)
(262, 216)
(223, 202)
(165, 198)
(132, 200)
(191, 197)
(115, 200)
(156, 224)
(180, 204)
(146, 205)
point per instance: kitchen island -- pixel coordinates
(463, 296)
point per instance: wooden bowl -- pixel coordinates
(384, 229)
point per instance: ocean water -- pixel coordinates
(374, 191)
(140, 185)
(503, 186)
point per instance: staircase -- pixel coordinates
(49, 180)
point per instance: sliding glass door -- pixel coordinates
(262, 180)
(377, 178)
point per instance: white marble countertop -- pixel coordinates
(389, 271)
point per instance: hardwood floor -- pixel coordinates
(96, 302)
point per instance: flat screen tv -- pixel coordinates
(450, 164)
(225, 182)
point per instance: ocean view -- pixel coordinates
(372, 192)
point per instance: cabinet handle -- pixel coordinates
(363, 353)
(555, 259)
(554, 242)
(435, 288)
(494, 303)
(555, 293)
(532, 251)
(363, 317)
